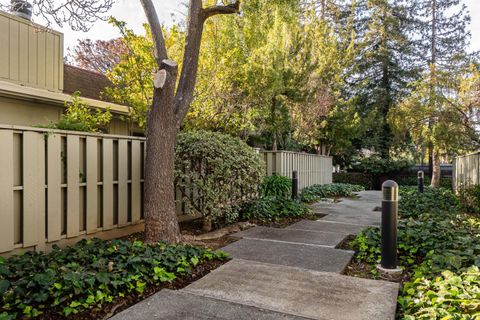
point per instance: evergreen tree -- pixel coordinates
(385, 65)
(443, 45)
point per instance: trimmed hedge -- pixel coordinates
(216, 174)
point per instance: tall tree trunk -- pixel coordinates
(160, 218)
(436, 174)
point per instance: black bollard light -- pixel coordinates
(294, 185)
(389, 225)
(421, 181)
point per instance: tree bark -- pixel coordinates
(164, 118)
(160, 218)
(436, 172)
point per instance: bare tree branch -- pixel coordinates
(227, 9)
(157, 33)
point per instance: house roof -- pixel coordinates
(89, 83)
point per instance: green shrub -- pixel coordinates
(317, 192)
(376, 165)
(413, 203)
(273, 209)
(216, 174)
(80, 117)
(445, 182)
(356, 178)
(276, 186)
(470, 198)
(89, 275)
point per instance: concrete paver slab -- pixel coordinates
(328, 226)
(295, 291)
(328, 239)
(353, 211)
(175, 305)
(290, 254)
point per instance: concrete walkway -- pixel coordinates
(291, 273)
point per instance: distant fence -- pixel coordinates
(466, 170)
(312, 169)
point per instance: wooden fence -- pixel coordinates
(312, 169)
(466, 170)
(59, 186)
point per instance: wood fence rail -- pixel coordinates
(466, 170)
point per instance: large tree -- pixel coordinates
(173, 93)
(444, 40)
(97, 55)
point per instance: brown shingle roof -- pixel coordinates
(89, 83)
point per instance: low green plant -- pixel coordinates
(273, 209)
(276, 186)
(413, 203)
(317, 192)
(433, 237)
(448, 296)
(470, 198)
(89, 275)
(79, 116)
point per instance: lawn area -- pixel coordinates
(439, 251)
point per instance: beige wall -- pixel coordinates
(29, 54)
(21, 112)
(466, 170)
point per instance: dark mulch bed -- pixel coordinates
(120, 304)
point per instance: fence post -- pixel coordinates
(389, 227)
(294, 185)
(421, 181)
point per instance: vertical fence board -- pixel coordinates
(54, 179)
(6, 191)
(122, 182)
(92, 186)
(108, 184)
(136, 172)
(33, 189)
(73, 188)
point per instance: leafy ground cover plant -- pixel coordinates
(433, 237)
(276, 186)
(412, 203)
(470, 198)
(90, 275)
(317, 192)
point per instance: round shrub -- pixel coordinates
(276, 186)
(216, 174)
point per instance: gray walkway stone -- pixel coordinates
(176, 305)
(327, 226)
(300, 292)
(328, 239)
(353, 211)
(289, 254)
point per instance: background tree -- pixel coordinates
(97, 55)
(443, 44)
